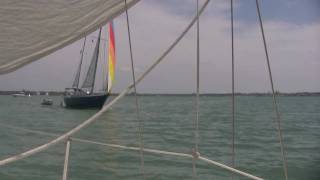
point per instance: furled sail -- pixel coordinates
(91, 74)
(111, 57)
(31, 29)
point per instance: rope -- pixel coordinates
(232, 79)
(229, 168)
(105, 107)
(196, 123)
(197, 87)
(275, 104)
(155, 151)
(151, 151)
(141, 123)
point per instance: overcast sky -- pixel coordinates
(292, 30)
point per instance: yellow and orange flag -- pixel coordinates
(112, 57)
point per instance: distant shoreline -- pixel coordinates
(60, 93)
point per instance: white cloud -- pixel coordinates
(292, 48)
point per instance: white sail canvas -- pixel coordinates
(31, 29)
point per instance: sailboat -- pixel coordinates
(84, 96)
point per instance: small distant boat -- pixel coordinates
(20, 94)
(47, 101)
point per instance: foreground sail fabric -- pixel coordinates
(31, 29)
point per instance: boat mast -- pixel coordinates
(97, 56)
(84, 44)
(77, 78)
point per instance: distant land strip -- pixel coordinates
(60, 93)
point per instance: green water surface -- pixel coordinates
(168, 125)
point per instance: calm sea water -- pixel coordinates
(168, 126)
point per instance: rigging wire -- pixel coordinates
(96, 63)
(78, 73)
(82, 54)
(140, 120)
(196, 123)
(197, 87)
(232, 79)
(275, 104)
